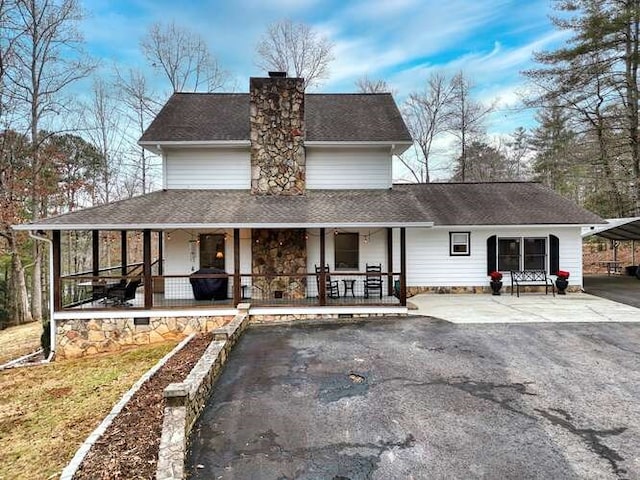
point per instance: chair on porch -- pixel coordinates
(331, 285)
(373, 280)
(121, 294)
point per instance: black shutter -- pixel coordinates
(554, 254)
(492, 260)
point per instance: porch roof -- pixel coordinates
(497, 203)
(170, 209)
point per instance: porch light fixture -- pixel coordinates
(219, 255)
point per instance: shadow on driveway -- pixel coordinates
(619, 288)
(418, 398)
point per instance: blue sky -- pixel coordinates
(400, 41)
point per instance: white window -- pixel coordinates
(459, 244)
(522, 254)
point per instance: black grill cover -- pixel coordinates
(209, 288)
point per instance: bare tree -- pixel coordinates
(183, 57)
(105, 129)
(297, 49)
(365, 84)
(140, 106)
(466, 118)
(48, 58)
(10, 32)
(427, 115)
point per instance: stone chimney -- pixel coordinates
(277, 135)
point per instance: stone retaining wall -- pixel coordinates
(264, 319)
(186, 400)
(82, 337)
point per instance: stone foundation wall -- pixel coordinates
(278, 253)
(81, 337)
(267, 319)
(277, 136)
(411, 291)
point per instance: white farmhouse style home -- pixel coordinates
(285, 200)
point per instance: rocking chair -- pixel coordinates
(373, 280)
(331, 285)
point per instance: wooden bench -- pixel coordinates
(531, 277)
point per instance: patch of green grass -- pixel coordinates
(20, 340)
(47, 411)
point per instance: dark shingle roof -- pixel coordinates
(444, 204)
(329, 117)
(239, 207)
(499, 203)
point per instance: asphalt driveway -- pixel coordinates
(420, 398)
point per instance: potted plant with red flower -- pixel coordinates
(562, 281)
(496, 282)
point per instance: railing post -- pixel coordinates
(322, 287)
(236, 267)
(146, 269)
(55, 288)
(403, 266)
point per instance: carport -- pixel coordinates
(617, 230)
(621, 288)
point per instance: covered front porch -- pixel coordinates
(218, 268)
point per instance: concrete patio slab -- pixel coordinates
(528, 308)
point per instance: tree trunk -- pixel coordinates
(631, 64)
(19, 307)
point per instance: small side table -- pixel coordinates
(348, 286)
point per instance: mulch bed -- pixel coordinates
(129, 447)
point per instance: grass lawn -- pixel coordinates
(20, 340)
(47, 411)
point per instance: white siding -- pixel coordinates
(207, 168)
(429, 262)
(372, 250)
(348, 168)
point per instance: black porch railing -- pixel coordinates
(218, 290)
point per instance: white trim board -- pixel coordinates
(103, 314)
(195, 226)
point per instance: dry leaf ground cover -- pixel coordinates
(47, 411)
(18, 341)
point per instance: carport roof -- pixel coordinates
(616, 229)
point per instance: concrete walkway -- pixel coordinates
(528, 308)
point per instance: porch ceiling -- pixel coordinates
(240, 209)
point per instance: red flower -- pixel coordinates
(495, 276)
(563, 275)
